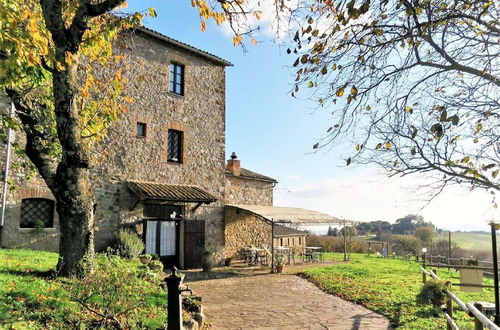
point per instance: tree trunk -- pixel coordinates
(71, 186)
(75, 206)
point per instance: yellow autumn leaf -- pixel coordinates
(354, 90)
(128, 99)
(387, 145)
(237, 39)
(340, 92)
(378, 146)
(408, 109)
(203, 26)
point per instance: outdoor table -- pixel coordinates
(314, 250)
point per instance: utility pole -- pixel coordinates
(6, 175)
(449, 245)
(345, 242)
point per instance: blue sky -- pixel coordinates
(273, 134)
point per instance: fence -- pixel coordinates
(474, 310)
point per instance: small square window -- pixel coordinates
(175, 146)
(141, 129)
(176, 84)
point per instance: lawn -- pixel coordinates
(389, 287)
(29, 298)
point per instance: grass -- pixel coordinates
(389, 287)
(470, 241)
(29, 299)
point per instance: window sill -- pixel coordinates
(48, 230)
(174, 163)
(180, 96)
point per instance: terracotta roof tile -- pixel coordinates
(171, 192)
(247, 174)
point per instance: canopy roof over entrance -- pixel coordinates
(293, 214)
(170, 192)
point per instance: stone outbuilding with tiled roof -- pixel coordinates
(247, 187)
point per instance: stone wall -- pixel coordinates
(244, 228)
(200, 113)
(246, 191)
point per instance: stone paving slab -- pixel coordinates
(279, 301)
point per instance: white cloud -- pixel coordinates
(372, 196)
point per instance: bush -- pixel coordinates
(128, 244)
(432, 292)
(119, 293)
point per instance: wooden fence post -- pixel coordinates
(449, 311)
(477, 324)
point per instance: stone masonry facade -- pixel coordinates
(243, 229)
(199, 114)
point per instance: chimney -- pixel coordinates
(233, 164)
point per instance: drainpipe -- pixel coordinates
(6, 175)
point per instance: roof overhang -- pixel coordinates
(170, 192)
(293, 214)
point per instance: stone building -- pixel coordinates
(165, 159)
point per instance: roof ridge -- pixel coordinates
(183, 45)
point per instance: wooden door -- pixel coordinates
(194, 243)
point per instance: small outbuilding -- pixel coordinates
(251, 225)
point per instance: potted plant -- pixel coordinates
(433, 292)
(279, 261)
(145, 258)
(207, 262)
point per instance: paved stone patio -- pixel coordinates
(277, 301)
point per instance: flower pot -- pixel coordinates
(279, 268)
(207, 263)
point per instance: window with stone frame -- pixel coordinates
(176, 84)
(175, 145)
(37, 213)
(141, 129)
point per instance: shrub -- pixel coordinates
(432, 292)
(128, 244)
(118, 293)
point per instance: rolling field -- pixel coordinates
(469, 241)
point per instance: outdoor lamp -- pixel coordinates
(424, 250)
(492, 216)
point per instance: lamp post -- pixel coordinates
(492, 216)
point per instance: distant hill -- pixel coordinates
(469, 240)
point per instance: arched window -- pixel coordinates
(37, 213)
